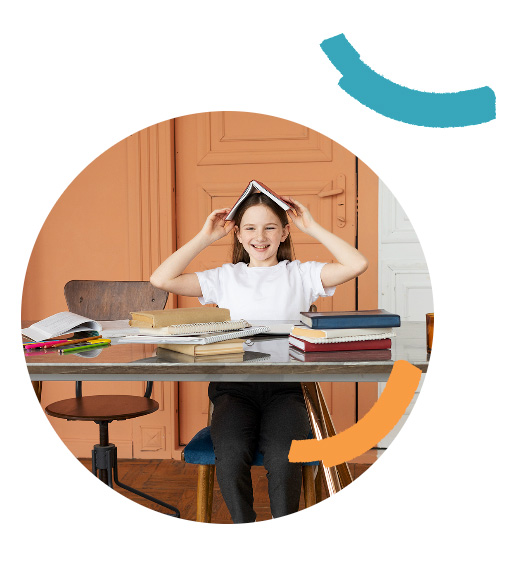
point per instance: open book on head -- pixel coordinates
(258, 187)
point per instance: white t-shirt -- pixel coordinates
(277, 292)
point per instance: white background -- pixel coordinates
(83, 75)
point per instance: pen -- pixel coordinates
(99, 343)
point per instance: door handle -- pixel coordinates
(339, 207)
(331, 192)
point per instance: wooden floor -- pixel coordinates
(175, 482)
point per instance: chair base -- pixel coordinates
(104, 465)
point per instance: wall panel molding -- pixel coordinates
(152, 438)
(222, 142)
(151, 198)
(406, 288)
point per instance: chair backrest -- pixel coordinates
(106, 300)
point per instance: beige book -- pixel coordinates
(234, 345)
(160, 318)
(173, 356)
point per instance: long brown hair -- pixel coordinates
(285, 250)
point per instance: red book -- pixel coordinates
(306, 346)
(258, 187)
(341, 355)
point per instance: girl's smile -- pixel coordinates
(260, 233)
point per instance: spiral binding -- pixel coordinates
(359, 338)
(199, 327)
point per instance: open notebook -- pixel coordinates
(201, 338)
(195, 328)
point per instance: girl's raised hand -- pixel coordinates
(215, 226)
(301, 217)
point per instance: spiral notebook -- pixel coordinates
(195, 328)
(337, 339)
(206, 338)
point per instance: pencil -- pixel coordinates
(75, 341)
(74, 348)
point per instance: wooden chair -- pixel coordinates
(103, 300)
(199, 451)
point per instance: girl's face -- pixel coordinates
(260, 232)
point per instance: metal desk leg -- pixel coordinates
(339, 476)
(37, 387)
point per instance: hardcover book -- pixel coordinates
(257, 187)
(179, 357)
(351, 319)
(225, 347)
(340, 356)
(321, 346)
(162, 318)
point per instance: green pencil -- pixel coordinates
(96, 345)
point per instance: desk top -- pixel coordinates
(266, 359)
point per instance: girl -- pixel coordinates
(263, 282)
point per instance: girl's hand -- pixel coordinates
(301, 217)
(215, 226)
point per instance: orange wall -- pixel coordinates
(78, 239)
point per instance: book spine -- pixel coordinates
(323, 322)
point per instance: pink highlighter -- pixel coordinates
(45, 344)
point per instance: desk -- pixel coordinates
(267, 359)
(140, 362)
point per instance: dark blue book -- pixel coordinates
(351, 319)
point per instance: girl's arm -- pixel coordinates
(350, 262)
(169, 275)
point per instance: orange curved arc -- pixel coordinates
(373, 427)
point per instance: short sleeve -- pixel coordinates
(210, 285)
(311, 272)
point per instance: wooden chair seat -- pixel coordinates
(102, 408)
(199, 451)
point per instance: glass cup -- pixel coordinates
(429, 321)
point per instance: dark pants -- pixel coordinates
(263, 416)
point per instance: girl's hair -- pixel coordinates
(285, 250)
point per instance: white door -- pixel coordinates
(403, 277)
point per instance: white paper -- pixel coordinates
(117, 328)
(277, 326)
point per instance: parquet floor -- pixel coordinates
(175, 482)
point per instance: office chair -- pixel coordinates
(104, 300)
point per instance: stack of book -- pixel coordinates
(344, 336)
(195, 332)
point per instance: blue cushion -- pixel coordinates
(199, 450)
